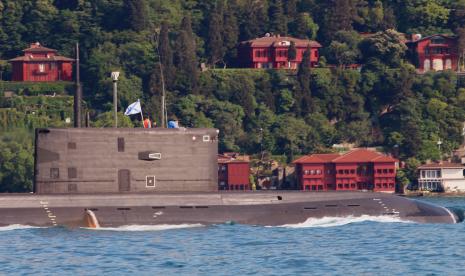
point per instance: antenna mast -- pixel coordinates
(78, 93)
(164, 114)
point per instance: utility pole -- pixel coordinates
(163, 101)
(78, 93)
(114, 77)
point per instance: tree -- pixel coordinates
(338, 15)
(386, 47)
(16, 161)
(457, 16)
(137, 16)
(230, 32)
(215, 34)
(460, 32)
(278, 24)
(303, 99)
(254, 20)
(304, 27)
(186, 59)
(106, 119)
(292, 52)
(166, 55)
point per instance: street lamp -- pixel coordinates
(114, 77)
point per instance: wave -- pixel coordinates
(17, 227)
(339, 221)
(138, 228)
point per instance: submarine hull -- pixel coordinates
(271, 208)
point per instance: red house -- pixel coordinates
(272, 52)
(436, 52)
(233, 172)
(359, 169)
(41, 64)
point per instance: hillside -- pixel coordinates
(385, 104)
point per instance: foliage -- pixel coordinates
(282, 112)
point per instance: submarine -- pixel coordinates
(111, 177)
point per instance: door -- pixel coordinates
(124, 181)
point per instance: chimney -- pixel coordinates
(35, 45)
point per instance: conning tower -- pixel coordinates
(123, 160)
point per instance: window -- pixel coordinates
(320, 187)
(384, 185)
(346, 171)
(385, 170)
(423, 174)
(352, 185)
(340, 172)
(378, 185)
(378, 171)
(318, 172)
(438, 174)
(41, 67)
(339, 186)
(71, 145)
(352, 171)
(313, 188)
(346, 186)
(206, 138)
(391, 171)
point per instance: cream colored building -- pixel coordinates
(442, 177)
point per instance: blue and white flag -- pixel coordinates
(133, 108)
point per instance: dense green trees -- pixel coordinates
(385, 104)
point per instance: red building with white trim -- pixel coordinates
(233, 172)
(434, 53)
(41, 64)
(359, 169)
(272, 52)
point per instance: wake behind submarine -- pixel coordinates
(88, 177)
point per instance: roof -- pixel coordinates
(363, 155)
(52, 58)
(269, 41)
(317, 158)
(442, 165)
(357, 155)
(430, 37)
(36, 48)
(223, 159)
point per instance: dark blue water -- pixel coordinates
(327, 247)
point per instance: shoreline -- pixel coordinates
(433, 194)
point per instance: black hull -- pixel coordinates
(255, 208)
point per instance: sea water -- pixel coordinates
(328, 246)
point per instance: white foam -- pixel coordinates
(339, 221)
(136, 228)
(17, 227)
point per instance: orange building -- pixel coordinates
(233, 172)
(41, 64)
(359, 169)
(272, 52)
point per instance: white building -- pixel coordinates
(442, 177)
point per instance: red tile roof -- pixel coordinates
(268, 41)
(52, 58)
(430, 37)
(357, 155)
(39, 48)
(223, 159)
(442, 165)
